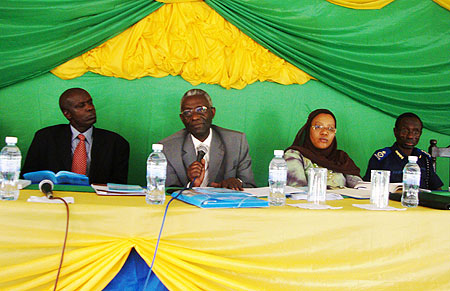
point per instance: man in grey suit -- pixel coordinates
(226, 162)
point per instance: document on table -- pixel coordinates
(295, 193)
(362, 190)
(44, 199)
(264, 191)
(103, 190)
(328, 196)
(352, 193)
(393, 187)
(23, 183)
(208, 197)
(374, 207)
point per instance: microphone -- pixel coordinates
(46, 187)
(201, 152)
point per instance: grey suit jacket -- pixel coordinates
(229, 157)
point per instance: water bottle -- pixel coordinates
(411, 182)
(10, 160)
(156, 176)
(277, 179)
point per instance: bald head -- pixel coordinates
(67, 96)
(77, 106)
(196, 92)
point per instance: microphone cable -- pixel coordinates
(160, 232)
(46, 187)
(65, 240)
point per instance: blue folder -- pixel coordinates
(219, 198)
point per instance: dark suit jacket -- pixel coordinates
(51, 150)
(229, 157)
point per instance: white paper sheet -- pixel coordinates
(313, 206)
(264, 191)
(304, 196)
(373, 207)
(23, 183)
(103, 191)
(44, 199)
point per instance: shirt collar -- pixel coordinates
(87, 134)
(206, 142)
(415, 151)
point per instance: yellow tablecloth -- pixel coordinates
(278, 248)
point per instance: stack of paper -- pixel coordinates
(264, 191)
(118, 190)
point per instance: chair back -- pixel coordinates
(436, 151)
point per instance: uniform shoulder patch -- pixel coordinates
(383, 153)
(425, 153)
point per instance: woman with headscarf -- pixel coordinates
(315, 146)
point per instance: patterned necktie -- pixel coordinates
(79, 161)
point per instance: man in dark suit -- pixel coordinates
(104, 156)
(226, 163)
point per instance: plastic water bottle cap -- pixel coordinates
(278, 153)
(157, 147)
(412, 159)
(11, 139)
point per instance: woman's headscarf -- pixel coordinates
(330, 158)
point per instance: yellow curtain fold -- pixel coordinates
(88, 268)
(223, 249)
(187, 39)
(443, 3)
(177, 1)
(362, 4)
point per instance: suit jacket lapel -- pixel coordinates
(216, 154)
(96, 151)
(65, 147)
(188, 155)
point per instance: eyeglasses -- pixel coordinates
(199, 110)
(320, 127)
(414, 131)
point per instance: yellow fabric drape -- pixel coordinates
(443, 3)
(187, 39)
(177, 1)
(276, 248)
(362, 4)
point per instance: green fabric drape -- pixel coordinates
(36, 36)
(395, 59)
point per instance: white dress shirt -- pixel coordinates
(207, 144)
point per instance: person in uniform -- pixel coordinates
(407, 131)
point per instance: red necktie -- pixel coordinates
(79, 161)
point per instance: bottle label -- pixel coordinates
(278, 175)
(156, 171)
(411, 179)
(9, 165)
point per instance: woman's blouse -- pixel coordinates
(298, 166)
